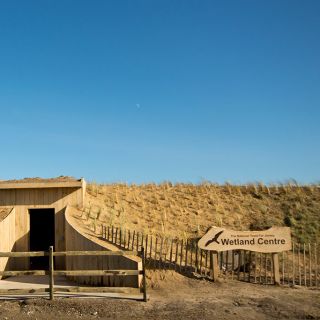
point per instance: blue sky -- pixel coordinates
(142, 91)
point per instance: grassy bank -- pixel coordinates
(187, 210)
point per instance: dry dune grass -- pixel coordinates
(187, 210)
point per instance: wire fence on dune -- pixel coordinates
(300, 266)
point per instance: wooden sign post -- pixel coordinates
(214, 265)
(273, 240)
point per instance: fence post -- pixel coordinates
(146, 250)
(176, 256)
(310, 266)
(137, 241)
(316, 264)
(249, 266)
(276, 274)
(186, 260)
(144, 275)
(181, 253)
(171, 250)
(232, 265)
(293, 265)
(133, 236)
(197, 259)
(51, 269)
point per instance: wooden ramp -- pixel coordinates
(26, 287)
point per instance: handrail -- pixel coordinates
(67, 253)
(24, 254)
(96, 253)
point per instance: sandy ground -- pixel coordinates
(173, 296)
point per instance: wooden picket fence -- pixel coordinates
(300, 266)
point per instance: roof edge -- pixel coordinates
(41, 185)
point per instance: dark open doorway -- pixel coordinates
(41, 235)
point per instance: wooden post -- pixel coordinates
(51, 269)
(200, 271)
(310, 268)
(166, 241)
(293, 265)
(265, 268)
(227, 261)
(191, 250)
(133, 236)
(129, 238)
(137, 241)
(142, 243)
(304, 265)
(186, 258)
(171, 249)
(282, 264)
(316, 264)
(260, 269)
(299, 267)
(144, 275)
(276, 274)
(214, 265)
(255, 267)
(181, 252)
(124, 238)
(196, 259)
(206, 264)
(146, 250)
(211, 265)
(155, 253)
(160, 260)
(150, 248)
(232, 265)
(176, 256)
(239, 264)
(249, 266)
(116, 236)
(244, 264)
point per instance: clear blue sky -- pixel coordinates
(150, 90)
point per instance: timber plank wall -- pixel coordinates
(78, 239)
(7, 232)
(24, 197)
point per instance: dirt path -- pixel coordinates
(176, 297)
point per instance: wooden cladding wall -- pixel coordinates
(7, 232)
(25, 199)
(76, 241)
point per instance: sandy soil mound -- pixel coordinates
(187, 210)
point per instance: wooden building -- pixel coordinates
(38, 213)
(38, 207)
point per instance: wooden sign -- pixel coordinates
(275, 239)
